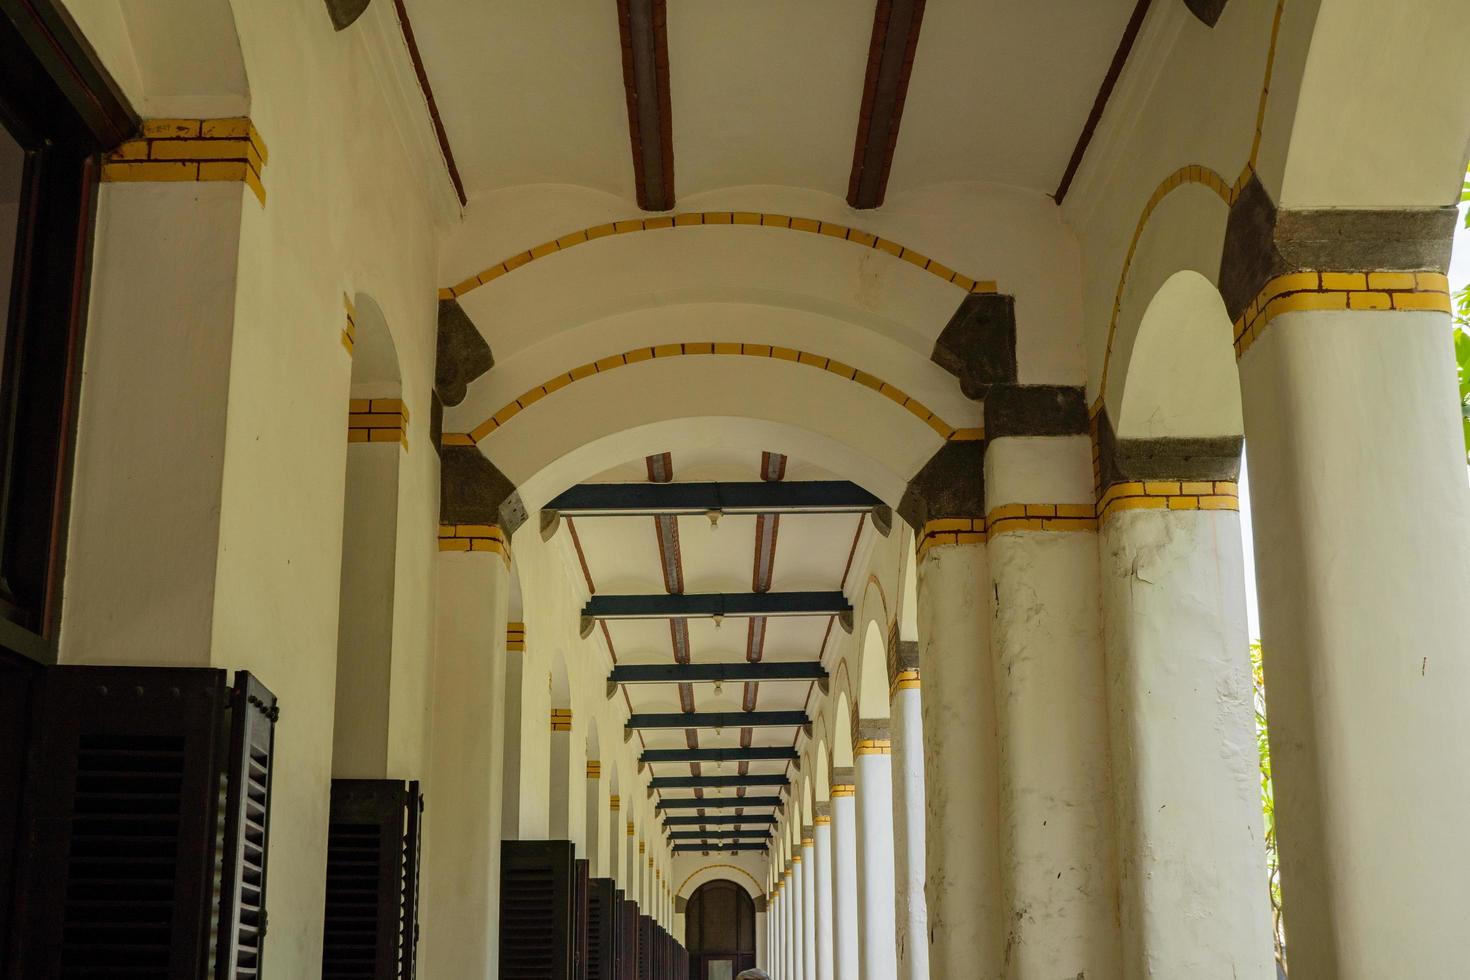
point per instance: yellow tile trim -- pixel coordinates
(796, 859)
(1297, 292)
(873, 746)
(843, 789)
(905, 680)
(377, 420)
(474, 537)
(821, 821)
(1009, 518)
(349, 332)
(515, 637)
(191, 150)
(613, 803)
(637, 355)
(561, 719)
(952, 530)
(631, 832)
(811, 226)
(1167, 495)
(1184, 177)
(594, 769)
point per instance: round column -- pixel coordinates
(908, 817)
(822, 888)
(872, 764)
(844, 874)
(1362, 534)
(1056, 802)
(808, 905)
(762, 932)
(961, 757)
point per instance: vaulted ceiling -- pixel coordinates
(799, 549)
(859, 100)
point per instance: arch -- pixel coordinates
(873, 679)
(1181, 378)
(368, 571)
(637, 355)
(821, 772)
(719, 922)
(842, 733)
(811, 226)
(559, 751)
(908, 599)
(593, 825)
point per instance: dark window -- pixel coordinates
(58, 113)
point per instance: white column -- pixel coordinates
(1057, 837)
(876, 926)
(822, 887)
(1187, 775)
(778, 932)
(461, 837)
(908, 819)
(792, 893)
(1362, 533)
(844, 874)
(961, 763)
(808, 905)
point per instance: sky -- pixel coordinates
(1459, 276)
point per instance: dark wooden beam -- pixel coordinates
(719, 782)
(717, 803)
(642, 25)
(718, 719)
(890, 62)
(720, 819)
(705, 605)
(423, 76)
(696, 848)
(705, 673)
(662, 499)
(764, 753)
(1104, 93)
(720, 835)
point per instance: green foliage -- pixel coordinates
(1268, 806)
(1462, 336)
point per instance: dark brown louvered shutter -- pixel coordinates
(619, 940)
(365, 832)
(645, 952)
(248, 765)
(629, 956)
(536, 921)
(580, 879)
(601, 929)
(408, 919)
(122, 797)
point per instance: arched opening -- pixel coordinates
(592, 806)
(559, 822)
(719, 931)
(376, 423)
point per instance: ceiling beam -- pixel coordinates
(719, 819)
(715, 719)
(695, 848)
(890, 62)
(719, 782)
(660, 499)
(715, 605)
(720, 835)
(642, 27)
(717, 802)
(811, 670)
(763, 753)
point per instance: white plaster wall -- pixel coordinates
(365, 628)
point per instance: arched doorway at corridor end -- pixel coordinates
(719, 931)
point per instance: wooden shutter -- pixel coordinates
(248, 766)
(363, 918)
(580, 870)
(602, 929)
(120, 821)
(645, 953)
(629, 956)
(408, 919)
(536, 914)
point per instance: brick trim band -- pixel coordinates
(474, 537)
(377, 420)
(1298, 292)
(191, 150)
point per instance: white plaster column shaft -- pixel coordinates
(872, 764)
(461, 836)
(961, 764)
(1362, 532)
(845, 955)
(1191, 861)
(793, 918)
(1057, 839)
(908, 818)
(808, 906)
(822, 890)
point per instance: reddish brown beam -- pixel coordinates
(423, 76)
(890, 63)
(1104, 93)
(642, 25)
